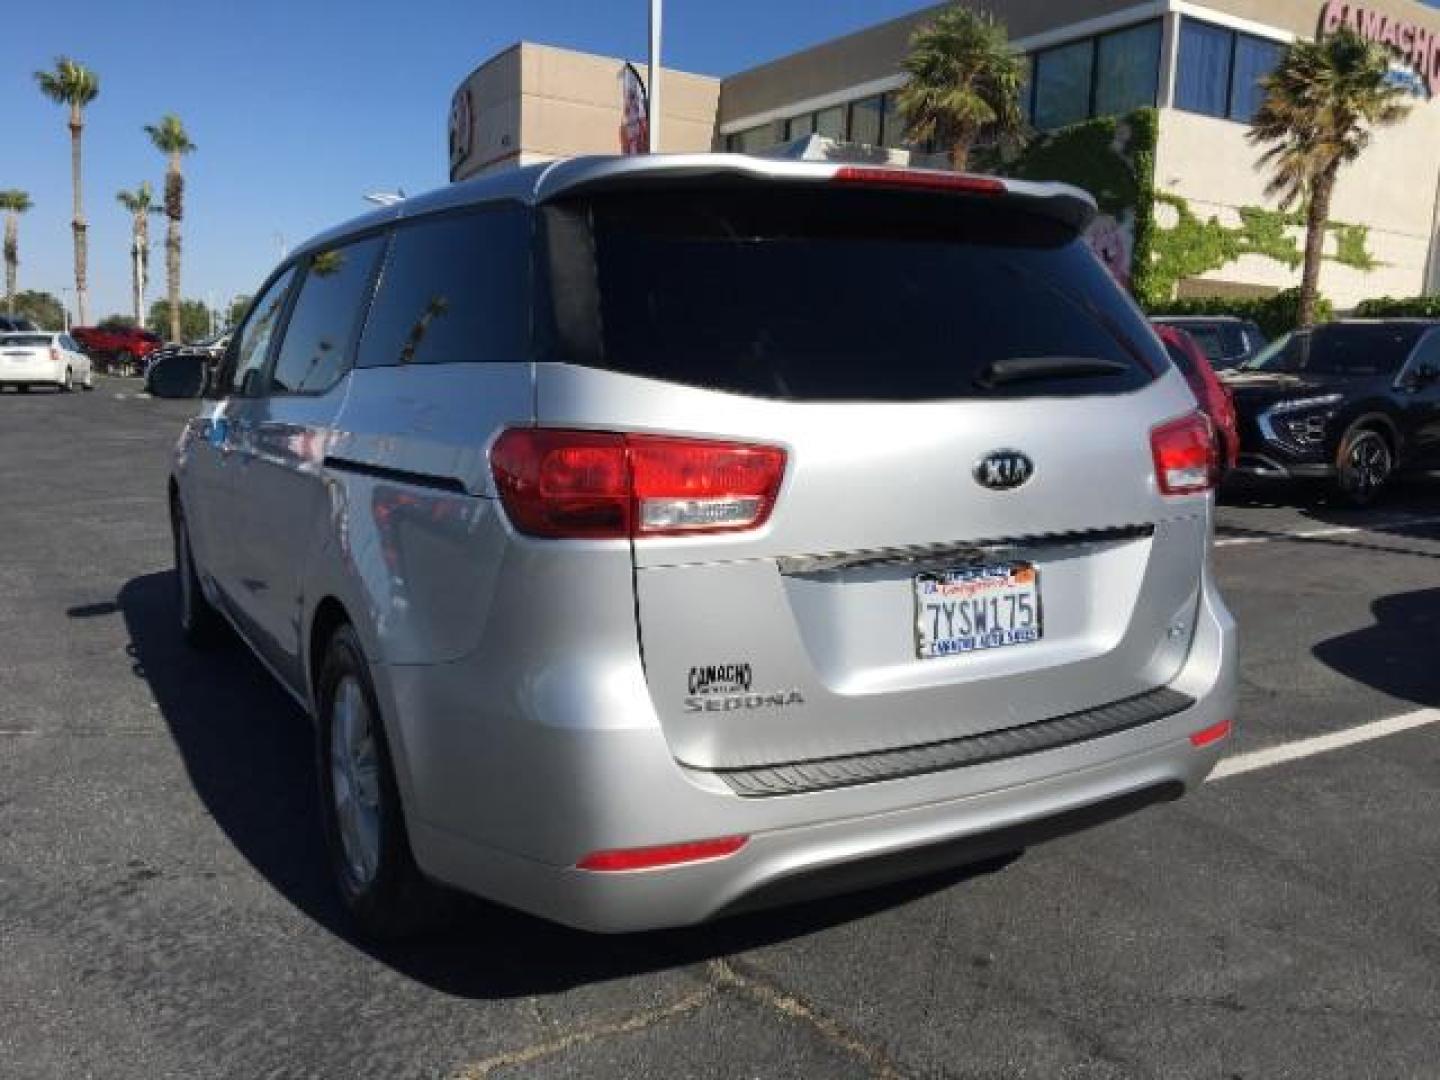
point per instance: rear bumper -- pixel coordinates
(30, 373)
(531, 808)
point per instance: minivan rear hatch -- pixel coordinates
(969, 536)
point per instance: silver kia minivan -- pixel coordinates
(655, 538)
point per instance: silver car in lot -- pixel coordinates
(655, 538)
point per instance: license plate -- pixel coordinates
(972, 608)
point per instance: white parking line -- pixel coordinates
(1323, 744)
(1316, 534)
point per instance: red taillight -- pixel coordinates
(54, 354)
(668, 855)
(1186, 459)
(918, 178)
(595, 485)
(1212, 734)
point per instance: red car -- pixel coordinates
(1209, 391)
(120, 347)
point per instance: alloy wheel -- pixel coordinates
(1367, 465)
(355, 781)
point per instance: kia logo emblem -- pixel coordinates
(1003, 470)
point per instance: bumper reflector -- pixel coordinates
(667, 855)
(1212, 734)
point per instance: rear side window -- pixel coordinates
(454, 289)
(321, 331)
(1351, 349)
(27, 341)
(814, 294)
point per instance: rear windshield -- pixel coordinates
(812, 294)
(25, 341)
(1223, 342)
(1340, 350)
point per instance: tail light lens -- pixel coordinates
(54, 354)
(1186, 459)
(605, 485)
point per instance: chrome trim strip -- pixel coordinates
(957, 554)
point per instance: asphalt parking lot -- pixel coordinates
(164, 909)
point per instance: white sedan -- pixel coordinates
(43, 358)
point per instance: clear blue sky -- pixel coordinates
(299, 107)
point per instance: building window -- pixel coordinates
(892, 132)
(1127, 70)
(1202, 83)
(751, 140)
(1220, 71)
(1255, 59)
(866, 116)
(831, 123)
(797, 127)
(1062, 84)
(1099, 76)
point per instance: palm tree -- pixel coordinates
(1321, 105)
(964, 79)
(74, 85)
(171, 140)
(14, 203)
(141, 204)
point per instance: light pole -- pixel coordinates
(656, 15)
(65, 291)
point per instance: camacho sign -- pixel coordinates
(1417, 46)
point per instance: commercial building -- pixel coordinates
(1192, 215)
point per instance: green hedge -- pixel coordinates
(1390, 307)
(1275, 315)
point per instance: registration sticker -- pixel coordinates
(972, 608)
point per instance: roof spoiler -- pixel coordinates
(575, 176)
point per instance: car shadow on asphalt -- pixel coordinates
(1395, 655)
(249, 752)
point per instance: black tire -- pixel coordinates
(1365, 464)
(200, 624)
(68, 386)
(386, 896)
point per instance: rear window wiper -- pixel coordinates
(1015, 369)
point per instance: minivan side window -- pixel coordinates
(315, 351)
(454, 289)
(252, 344)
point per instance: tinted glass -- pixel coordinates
(1203, 77)
(26, 341)
(1352, 350)
(1127, 70)
(751, 140)
(1181, 359)
(454, 289)
(1255, 58)
(894, 133)
(264, 319)
(177, 377)
(321, 331)
(1208, 338)
(797, 127)
(831, 122)
(865, 118)
(1062, 84)
(839, 295)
